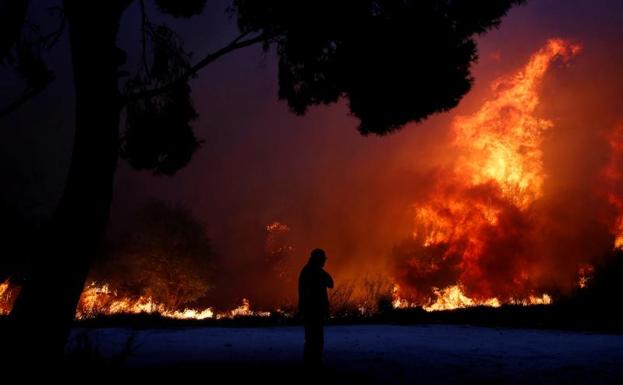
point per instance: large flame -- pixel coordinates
(501, 142)
(495, 179)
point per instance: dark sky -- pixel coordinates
(260, 163)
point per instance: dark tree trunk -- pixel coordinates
(43, 313)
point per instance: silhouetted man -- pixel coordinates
(314, 305)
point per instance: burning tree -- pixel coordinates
(475, 230)
(166, 257)
(278, 250)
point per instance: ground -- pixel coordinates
(433, 354)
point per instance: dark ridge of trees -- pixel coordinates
(394, 61)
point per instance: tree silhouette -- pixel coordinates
(394, 61)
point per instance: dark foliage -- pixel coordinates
(604, 290)
(12, 15)
(181, 8)
(394, 61)
(21, 44)
(158, 134)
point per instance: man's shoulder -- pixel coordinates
(304, 271)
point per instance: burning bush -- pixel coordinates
(363, 296)
(166, 257)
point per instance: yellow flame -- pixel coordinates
(499, 149)
(502, 140)
(453, 297)
(97, 300)
(397, 301)
(100, 299)
(585, 274)
(244, 310)
(499, 144)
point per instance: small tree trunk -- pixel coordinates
(43, 313)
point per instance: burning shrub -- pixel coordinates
(278, 249)
(341, 300)
(364, 296)
(166, 257)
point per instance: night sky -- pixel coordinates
(334, 188)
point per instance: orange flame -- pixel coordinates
(498, 174)
(453, 297)
(99, 300)
(501, 142)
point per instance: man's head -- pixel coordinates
(317, 258)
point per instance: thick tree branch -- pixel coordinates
(236, 44)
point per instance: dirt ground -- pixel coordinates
(428, 354)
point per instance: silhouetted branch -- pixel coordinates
(236, 44)
(46, 41)
(240, 37)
